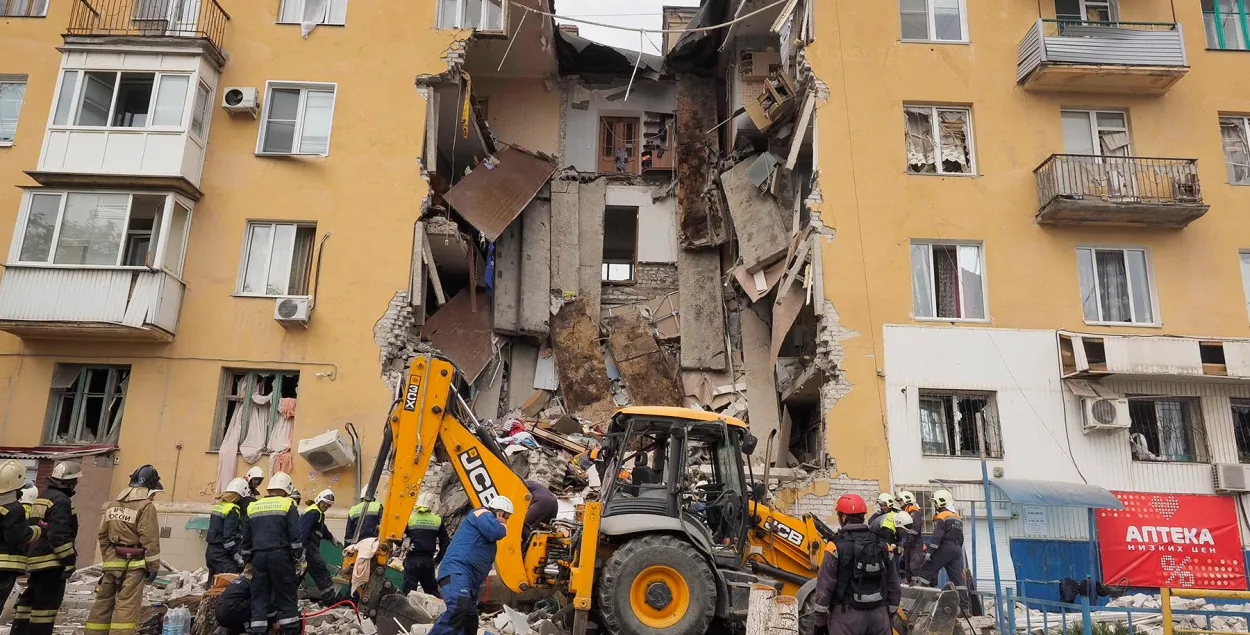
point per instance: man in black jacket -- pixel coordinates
(857, 588)
(312, 530)
(427, 542)
(272, 542)
(51, 559)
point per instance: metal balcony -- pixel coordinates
(1079, 189)
(171, 20)
(1102, 57)
(90, 304)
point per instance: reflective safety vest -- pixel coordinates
(369, 519)
(272, 524)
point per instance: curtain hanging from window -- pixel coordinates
(921, 283)
(301, 261)
(228, 450)
(933, 426)
(259, 413)
(953, 130)
(1173, 439)
(1113, 287)
(946, 281)
(920, 146)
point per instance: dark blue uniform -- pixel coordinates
(464, 569)
(312, 530)
(271, 538)
(51, 559)
(233, 610)
(225, 540)
(946, 551)
(369, 519)
(427, 539)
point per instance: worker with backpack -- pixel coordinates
(857, 589)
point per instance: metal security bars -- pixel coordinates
(1118, 179)
(203, 19)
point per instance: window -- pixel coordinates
(107, 229)
(483, 15)
(1115, 285)
(954, 423)
(199, 112)
(934, 20)
(1225, 24)
(939, 140)
(1166, 429)
(250, 398)
(948, 281)
(297, 119)
(313, 11)
(1241, 428)
(86, 403)
(1244, 256)
(620, 243)
(1091, 132)
(1233, 131)
(121, 100)
(12, 92)
(277, 259)
(618, 144)
(23, 8)
(1086, 10)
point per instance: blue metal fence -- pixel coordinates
(1062, 618)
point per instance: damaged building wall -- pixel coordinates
(522, 110)
(585, 105)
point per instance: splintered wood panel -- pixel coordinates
(462, 334)
(490, 197)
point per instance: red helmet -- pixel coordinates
(851, 504)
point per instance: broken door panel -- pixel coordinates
(461, 333)
(498, 189)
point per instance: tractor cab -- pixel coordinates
(682, 468)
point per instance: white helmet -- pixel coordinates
(30, 494)
(500, 504)
(238, 485)
(324, 496)
(255, 472)
(12, 476)
(885, 497)
(902, 519)
(907, 497)
(67, 471)
(280, 481)
(426, 500)
(364, 490)
(942, 498)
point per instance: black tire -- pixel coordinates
(637, 556)
(807, 625)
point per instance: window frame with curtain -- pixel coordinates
(300, 231)
(251, 378)
(930, 12)
(926, 150)
(942, 434)
(1146, 418)
(969, 302)
(1217, 16)
(71, 387)
(298, 121)
(12, 96)
(1094, 274)
(334, 12)
(1238, 171)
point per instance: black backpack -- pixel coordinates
(862, 561)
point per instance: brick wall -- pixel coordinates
(651, 280)
(819, 495)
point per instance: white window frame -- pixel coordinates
(1095, 128)
(171, 263)
(931, 18)
(75, 98)
(42, 6)
(247, 248)
(303, 87)
(1243, 255)
(1150, 285)
(14, 80)
(1112, 6)
(934, 125)
(1243, 122)
(929, 244)
(460, 9)
(336, 12)
(207, 115)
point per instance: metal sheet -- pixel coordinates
(462, 334)
(1056, 494)
(493, 195)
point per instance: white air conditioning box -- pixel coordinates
(326, 451)
(1105, 414)
(1231, 477)
(240, 99)
(292, 312)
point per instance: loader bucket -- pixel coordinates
(927, 611)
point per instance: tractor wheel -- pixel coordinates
(807, 625)
(657, 584)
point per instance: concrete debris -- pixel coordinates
(579, 362)
(700, 220)
(650, 377)
(427, 607)
(758, 218)
(699, 283)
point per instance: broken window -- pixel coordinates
(277, 259)
(297, 119)
(1101, 133)
(121, 100)
(939, 140)
(1115, 285)
(948, 281)
(313, 11)
(1166, 429)
(620, 243)
(482, 15)
(23, 8)
(933, 20)
(954, 423)
(98, 228)
(1081, 11)
(1236, 148)
(85, 406)
(1224, 22)
(251, 402)
(618, 145)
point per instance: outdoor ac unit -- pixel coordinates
(292, 311)
(1232, 477)
(240, 99)
(1103, 414)
(326, 451)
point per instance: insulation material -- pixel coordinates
(757, 285)
(649, 376)
(579, 361)
(757, 219)
(498, 189)
(698, 280)
(461, 333)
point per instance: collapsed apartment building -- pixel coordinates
(607, 227)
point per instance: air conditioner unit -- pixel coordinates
(292, 311)
(1105, 414)
(1231, 477)
(326, 451)
(240, 99)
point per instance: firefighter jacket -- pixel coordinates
(312, 527)
(912, 540)
(948, 529)
(472, 550)
(56, 547)
(427, 534)
(16, 534)
(368, 519)
(225, 528)
(272, 524)
(130, 521)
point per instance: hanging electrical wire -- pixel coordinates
(700, 29)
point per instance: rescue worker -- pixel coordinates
(427, 543)
(271, 540)
(130, 544)
(14, 530)
(51, 559)
(29, 495)
(225, 532)
(913, 542)
(542, 510)
(857, 587)
(253, 478)
(233, 610)
(365, 515)
(466, 564)
(297, 497)
(945, 549)
(882, 520)
(312, 530)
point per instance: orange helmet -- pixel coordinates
(851, 504)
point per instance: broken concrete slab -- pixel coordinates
(496, 191)
(701, 220)
(506, 297)
(591, 203)
(486, 391)
(757, 219)
(521, 373)
(649, 376)
(761, 380)
(535, 291)
(579, 362)
(565, 210)
(448, 247)
(757, 285)
(699, 285)
(785, 311)
(460, 333)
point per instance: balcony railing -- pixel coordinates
(203, 19)
(90, 304)
(1088, 56)
(1081, 188)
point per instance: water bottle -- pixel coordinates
(184, 621)
(167, 624)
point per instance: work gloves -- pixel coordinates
(68, 572)
(151, 576)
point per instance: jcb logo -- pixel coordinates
(478, 475)
(786, 533)
(410, 398)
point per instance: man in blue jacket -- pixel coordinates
(467, 563)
